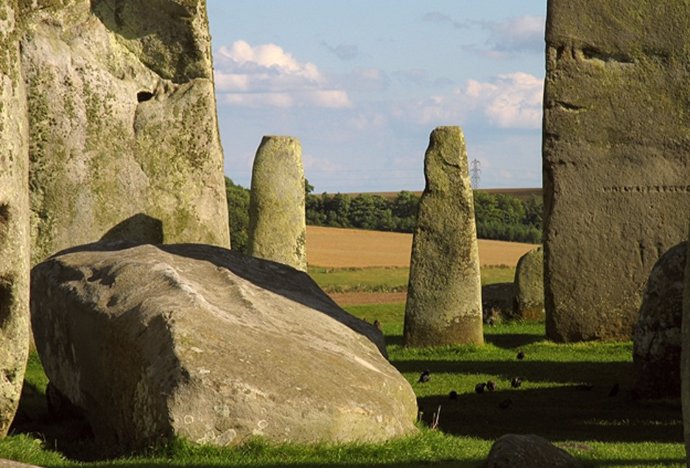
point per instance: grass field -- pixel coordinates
(564, 397)
(343, 248)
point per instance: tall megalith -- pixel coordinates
(277, 226)
(528, 303)
(685, 355)
(615, 158)
(444, 304)
(14, 217)
(123, 128)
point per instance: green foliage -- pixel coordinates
(498, 216)
(238, 211)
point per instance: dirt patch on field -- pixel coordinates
(364, 298)
(340, 248)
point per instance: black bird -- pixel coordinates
(614, 390)
(479, 388)
(520, 355)
(490, 385)
(516, 382)
(424, 376)
(453, 395)
(505, 403)
(377, 324)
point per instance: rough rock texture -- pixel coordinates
(14, 464)
(277, 226)
(124, 138)
(529, 286)
(685, 356)
(527, 451)
(657, 337)
(14, 217)
(210, 345)
(444, 304)
(616, 145)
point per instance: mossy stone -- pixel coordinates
(14, 217)
(444, 303)
(529, 286)
(616, 141)
(277, 226)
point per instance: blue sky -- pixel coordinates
(362, 83)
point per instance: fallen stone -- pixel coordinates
(15, 464)
(615, 179)
(444, 304)
(212, 346)
(657, 338)
(527, 451)
(529, 286)
(277, 225)
(14, 216)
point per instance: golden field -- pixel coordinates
(341, 248)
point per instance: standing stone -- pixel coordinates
(14, 217)
(615, 154)
(277, 226)
(444, 304)
(657, 338)
(123, 128)
(685, 357)
(529, 286)
(527, 451)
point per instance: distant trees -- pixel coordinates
(498, 216)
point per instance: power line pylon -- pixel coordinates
(475, 172)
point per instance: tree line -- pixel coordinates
(498, 216)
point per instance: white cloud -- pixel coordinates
(265, 75)
(519, 33)
(509, 101)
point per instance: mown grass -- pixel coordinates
(388, 279)
(600, 430)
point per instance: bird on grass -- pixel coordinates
(614, 390)
(377, 324)
(520, 355)
(424, 376)
(505, 403)
(479, 388)
(516, 382)
(490, 385)
(453, 395)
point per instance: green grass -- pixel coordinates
(387, 279)
(601, 431)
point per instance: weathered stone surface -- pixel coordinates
(529, 286)
(616, 146)
(277, 226)
(14, 464)
(212, 346)
(14, 217)
(122, 123)
(657, 337)
(444, 304)
(685, 357)
(527, 451)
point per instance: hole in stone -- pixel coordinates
(143, 96)
(5, 301)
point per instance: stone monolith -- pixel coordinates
(615, 158)
(123, 128)
(14, 216)
(277, 226)
(528, 303)
(444, 304)
(685, 356)
(657, 337)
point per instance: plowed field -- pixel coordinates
(342, 248)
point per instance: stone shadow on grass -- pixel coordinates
(555, 413)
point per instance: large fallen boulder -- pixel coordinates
(657, 339)
(209, 345)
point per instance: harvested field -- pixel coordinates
(341, 248)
